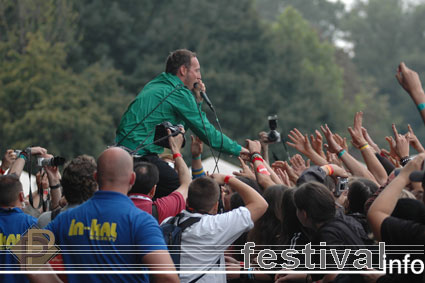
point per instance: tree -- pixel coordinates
(44, 102)
(304, 74)
(384, 33)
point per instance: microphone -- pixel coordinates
(205, 97)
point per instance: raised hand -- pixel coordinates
(253, 146)
(332, 145)
(298, 164)
(414, 141)
(341, 141)
(401, 143)
(356, 133)
(370, 141)
(196, 147)
(245, 171)
(300, 141)
(408, 79)
(317, 143)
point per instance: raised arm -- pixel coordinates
(198, 122)
(54, 178)
(411, 83)
(196, 149)
(181, 167)
(358, 140)
(317, 143)
(385, 203)
(261, 172)
(254, 202)
(263, 136)
(352, 164)
(19, 164)
(414, 141)
(301, 143)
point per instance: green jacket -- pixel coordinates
(179, 108)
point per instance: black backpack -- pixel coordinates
(172, 231)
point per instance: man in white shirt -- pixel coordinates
(204, 242)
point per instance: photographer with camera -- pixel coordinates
(49, 163)
(173, 97)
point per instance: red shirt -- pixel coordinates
(167, 206)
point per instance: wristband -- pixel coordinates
(227, 178)
(23, 155)
(196, 158)
(55, 187)
(330, 169)
(341, 153)
(404, 160)
(366, 145)
(257, 159)
(421, 106)
(262, 170)
(255, 153)
(2, 171)
(251, 276)
(175, 155)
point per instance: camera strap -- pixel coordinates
(29, 180)
(141, 146)
(179, 86)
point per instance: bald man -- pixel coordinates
(109, 233)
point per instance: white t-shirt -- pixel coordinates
(204, 243)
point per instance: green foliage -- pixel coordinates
(384, 33)
(323, 15)
(44, 102)
(304, 74)
(66, 66)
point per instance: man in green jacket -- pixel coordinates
(170, 97)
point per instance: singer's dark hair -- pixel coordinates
(178, 58)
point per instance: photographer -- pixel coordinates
(170, 97)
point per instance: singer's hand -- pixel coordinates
(199, 87)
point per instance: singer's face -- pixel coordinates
(193, 74)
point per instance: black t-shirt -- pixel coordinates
(396, 231)
(400, 237)
(337, 234)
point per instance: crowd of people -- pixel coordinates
(108, 216)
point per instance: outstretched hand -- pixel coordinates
(408, 79)
(317, 143)
(356, 133)
(196, 147)
(401, 143)
(332, 145)
(245, 171)
(300, 141)
(414, 141)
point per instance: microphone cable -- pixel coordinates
(216, 159)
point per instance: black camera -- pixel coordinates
(53, 161)
(161, 134)
(273, 135)
(341, 185)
